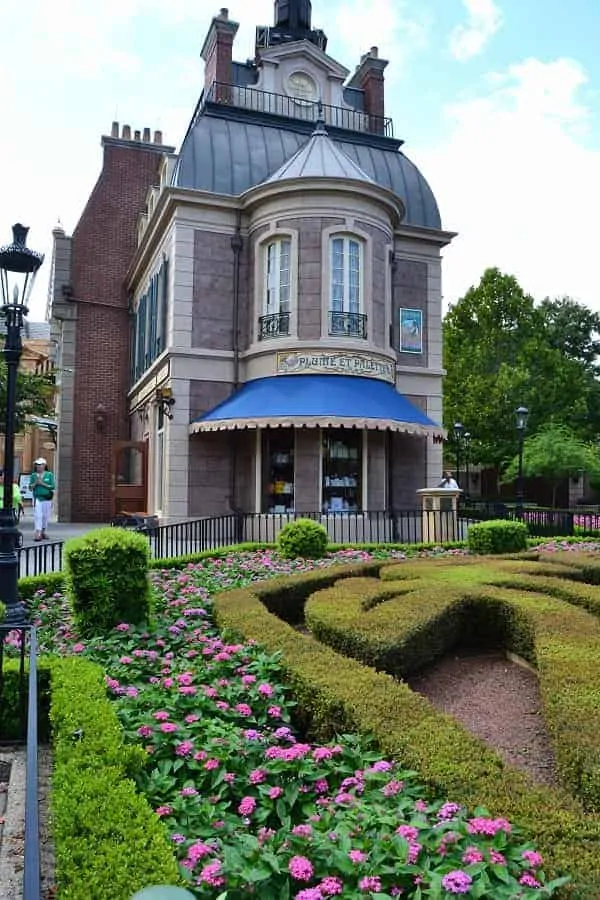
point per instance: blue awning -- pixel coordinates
(317, 401)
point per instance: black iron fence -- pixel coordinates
(378, 527)
(19, 718)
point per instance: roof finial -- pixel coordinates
(320, 123)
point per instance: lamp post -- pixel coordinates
(467, 443)
(18, 268)
(521, 413)
(458, 430)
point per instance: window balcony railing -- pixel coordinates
(348, 324)
(267, 103)
(277, 325)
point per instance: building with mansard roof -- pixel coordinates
(254, 323)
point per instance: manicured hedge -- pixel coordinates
(336, 694)
(108, 842)
(497, 536)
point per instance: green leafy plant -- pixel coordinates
(303, 539)
(497, 536)
(107, 579)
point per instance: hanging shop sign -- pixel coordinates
(366, 364)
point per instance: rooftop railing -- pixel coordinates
(249, 98)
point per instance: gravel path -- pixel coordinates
(498, 701)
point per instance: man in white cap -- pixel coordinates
(42, 486)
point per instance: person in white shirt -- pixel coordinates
(449, 482)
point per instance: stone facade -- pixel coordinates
(213, 245)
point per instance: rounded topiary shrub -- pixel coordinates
(107, 579)
(497, 536)
(304, 539)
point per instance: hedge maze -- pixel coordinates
(349, 638)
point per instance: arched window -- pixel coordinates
(275, 320)
(346, 268)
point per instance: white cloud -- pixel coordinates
(517, 176)
(484, 19)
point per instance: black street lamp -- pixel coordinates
(522, 412)
(467, 443)
(458, 430)
(18, 268)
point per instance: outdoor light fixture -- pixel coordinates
(100, 416)
(18, 268)
(467, 443)
(521, 413)
(165, 400)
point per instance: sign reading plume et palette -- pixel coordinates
(365, 364)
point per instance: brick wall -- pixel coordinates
(103, 245)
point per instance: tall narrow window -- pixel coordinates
(345, 305)
(275, 320)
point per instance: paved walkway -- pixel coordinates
(57, 531)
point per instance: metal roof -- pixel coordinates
(230, 154)
(320, 158)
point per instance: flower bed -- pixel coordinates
(250, 806)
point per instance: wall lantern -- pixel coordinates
(165, 401)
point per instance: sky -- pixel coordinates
(497, 102)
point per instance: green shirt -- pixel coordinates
(17, 499)
(44, 491)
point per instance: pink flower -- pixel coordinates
(304, 831)
(168, 727)
(381, 766)
(163, 811)
(123, 626)
(274, 712)
(243, 709)
(457, 882)
(409, 832)
(191, 719)
(370, 883)
(528, 880)
(321, 786)
(188, 792)
(488, 827)
(198, 851)
(265, 690)
(78, 648)
(275, 792)
(309, 894)
(357, 856)
(331, 886)
(534, 859)
(447, 811)
(210, 875)
(125, 660)
(184, 748)
(257, 776)
(497, 858)
(392, 788)
(144, 731)
(413, 852)
(161, 715)
(471, 856)
(300, 868)
(211, 764)
(321, 753)
(247, 806)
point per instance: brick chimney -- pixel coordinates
(368, 77)
(217, 51)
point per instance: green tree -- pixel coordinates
(501, 352)
(554, 453)
(35, 396)
(572, 329)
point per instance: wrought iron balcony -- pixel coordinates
(348, 324)
(277, 325)
(266, 103)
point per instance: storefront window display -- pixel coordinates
(278, 471)
(342, 470)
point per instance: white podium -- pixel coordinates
(439, 511)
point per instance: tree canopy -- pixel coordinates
(555, 453)
(501, 351)
(35, 396)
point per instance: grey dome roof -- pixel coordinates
(319, 158)
(228, 156)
